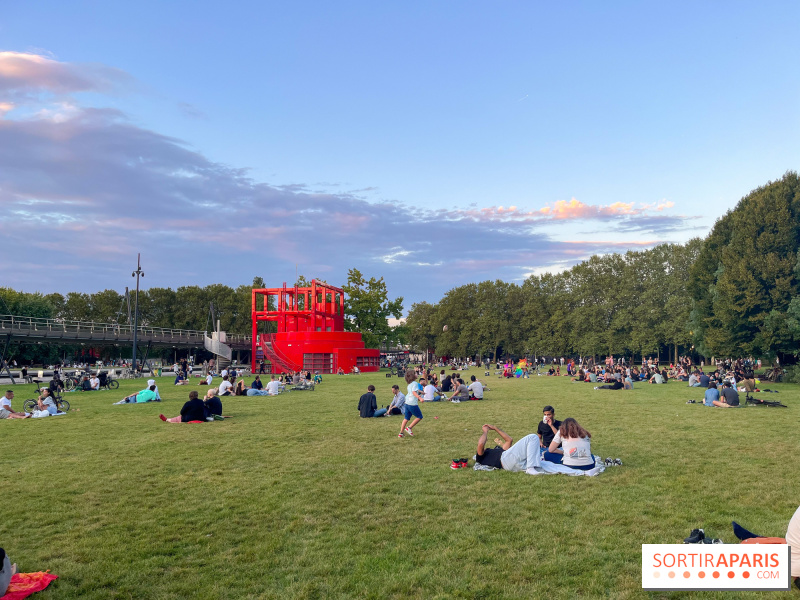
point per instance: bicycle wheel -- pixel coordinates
(113, 385)
(30, 406)
(63, 405)
(69, 384)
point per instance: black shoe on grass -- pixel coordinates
(695, 537)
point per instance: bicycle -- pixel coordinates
(107, 381)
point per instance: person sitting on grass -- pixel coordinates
(368, 404)
(525, 455)
(711, 395)
(257, 385)
(47, 402)
(576, 444)
(274, 386)
(94, 381)
(627, 383)
(656, 377)
(193, 410)
(399, 399)
(5, 408)
(475, 389)
(225, 387)
(207, 380)
(461, 393)
(729, 396)
(146, 395)
(548, 427)
(429, 391)
(703, 379)
(213, 403)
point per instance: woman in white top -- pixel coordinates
(576, 443)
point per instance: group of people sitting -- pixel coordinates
(560, 442)
(45, 406)
(424, 391)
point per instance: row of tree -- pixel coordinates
(734, 293)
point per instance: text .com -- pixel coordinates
(721, 567)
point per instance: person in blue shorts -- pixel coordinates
(411, 407)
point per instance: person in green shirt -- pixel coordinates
(146, 395)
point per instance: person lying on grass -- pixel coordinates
(525, 455)
(368, 405)
(193, 410)
(5, 408)
(146, 395)
(576, 444)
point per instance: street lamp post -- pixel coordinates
(137, 273)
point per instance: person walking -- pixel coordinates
(411, 406)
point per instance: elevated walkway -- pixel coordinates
(60, 331)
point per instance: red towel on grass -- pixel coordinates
(24, 584)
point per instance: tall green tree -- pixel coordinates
(367, 308)
(746, 281)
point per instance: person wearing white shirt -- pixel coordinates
(95, 382)
(225, 387)
(576, 443)
(5, 408)
(475, 389)
(273, 387)
(224, 373)
(429, 392)
(209, 379)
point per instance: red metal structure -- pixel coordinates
(311, 335)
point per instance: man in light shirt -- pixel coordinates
(95, 382)
(225, 387)
(475, 389)
(273, 387)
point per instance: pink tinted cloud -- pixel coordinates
(33, 73)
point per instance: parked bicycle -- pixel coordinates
(107, 382)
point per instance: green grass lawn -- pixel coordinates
(297, 497)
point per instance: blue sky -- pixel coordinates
(246, 138)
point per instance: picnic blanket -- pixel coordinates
(24, 584)
(548, 468)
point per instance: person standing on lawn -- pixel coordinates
(411, 406)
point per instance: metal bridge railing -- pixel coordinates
(12, 323)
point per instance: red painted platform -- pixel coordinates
(310, 331)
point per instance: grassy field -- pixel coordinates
(297, 497)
